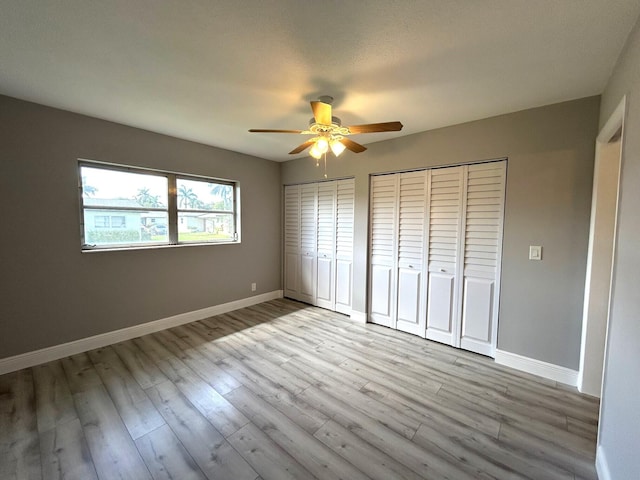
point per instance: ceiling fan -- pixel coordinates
(329, 132)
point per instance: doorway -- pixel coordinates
(602, 237)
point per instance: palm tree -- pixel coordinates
(88, 190)
(225, 192)
(199, 204)
(187, 197)
(145, 199)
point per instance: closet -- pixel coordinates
(398, 206)
(436, 238)
(318, 243)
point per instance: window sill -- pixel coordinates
(157, 247)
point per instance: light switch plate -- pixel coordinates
(535, 252)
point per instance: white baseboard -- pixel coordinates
(360, 317)
(602, 467)
(29, 359)
(537, 367)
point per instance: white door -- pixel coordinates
(484, 214)
(318, 243)
(291, 241)
(384, 189)
(344, 245)
(445, 216)
(412, 199)
(326, 222)
(308, 242)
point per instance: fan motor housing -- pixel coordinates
(335, 128)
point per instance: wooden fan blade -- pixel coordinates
(376, 127)
(302, 147)
(259, 130)
(321, 112)
(353, 146)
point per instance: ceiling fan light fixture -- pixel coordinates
(315, 152)
(337, 148)
(328, 132)
(322, 145)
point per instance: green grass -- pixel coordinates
(195, 237)
(201, 237)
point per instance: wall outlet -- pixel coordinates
(253, 287)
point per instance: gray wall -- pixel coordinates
(620, 418)
(51, 293)
(548, 202)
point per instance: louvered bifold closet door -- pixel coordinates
(383, 224)
(445, 216)
(412, 202)
(308, 242)
(482, 253)
(326, 221)
(291, 241)
(345, 194)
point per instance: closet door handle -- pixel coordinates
(442, 270)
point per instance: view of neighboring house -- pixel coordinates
(123, 220)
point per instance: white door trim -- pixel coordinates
(600, 257)
(614, 123)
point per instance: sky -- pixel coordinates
(116, 184)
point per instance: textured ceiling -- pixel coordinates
(209, 70)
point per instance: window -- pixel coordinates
(118, 221)
(205, 211)
(132, 207)
(101, 221)
(104, 221)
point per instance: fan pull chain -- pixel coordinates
(325, 164)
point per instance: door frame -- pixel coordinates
(593, 345)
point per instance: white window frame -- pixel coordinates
(204, 211)
(171, 209)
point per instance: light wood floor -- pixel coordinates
(281, 391)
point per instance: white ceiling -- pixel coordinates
(208, 70)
